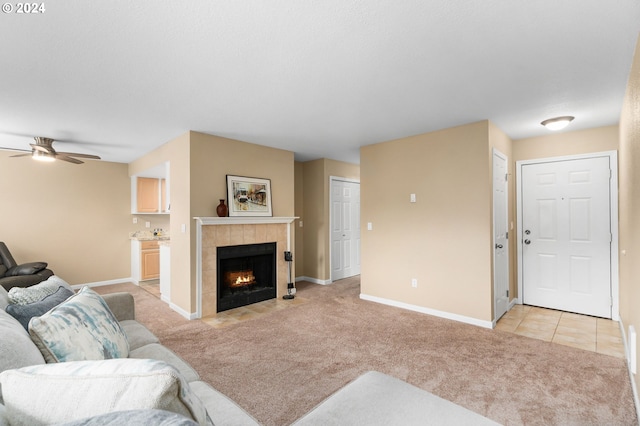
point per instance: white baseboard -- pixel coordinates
(428, 311)
(313, 280)
(185, 314)
(102, 283)
(634, 389)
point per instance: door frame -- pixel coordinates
(613, 194)
(333, 179)
(497, 153)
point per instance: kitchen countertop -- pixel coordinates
(148, 236)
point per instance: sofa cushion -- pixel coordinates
(4, 420)
(162, 353)
(26, 269)
(222, 410)
(80, 328)
(68, 391)
(16, 348)
(24, 313)
(137, 334)
(3, 270)
(4, 298)
(134, 418)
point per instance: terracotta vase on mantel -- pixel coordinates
(222, 210)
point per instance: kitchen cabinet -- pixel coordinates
(149, 260)
(151, 195)
(150, 191)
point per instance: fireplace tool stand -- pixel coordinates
(291, 290)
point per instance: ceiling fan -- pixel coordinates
(43, 150)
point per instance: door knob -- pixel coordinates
(499, 246)
(527, 242)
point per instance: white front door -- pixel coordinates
(500, 236)
(566, 235)
(345, 229)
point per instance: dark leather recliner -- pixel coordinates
(23, 275)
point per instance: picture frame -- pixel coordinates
(248, 196)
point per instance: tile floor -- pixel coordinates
(243, 313)
(233, 316)
(579, 331)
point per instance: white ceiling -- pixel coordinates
(119, 78)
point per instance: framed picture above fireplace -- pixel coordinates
(247, 196)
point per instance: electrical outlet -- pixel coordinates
(369, 226)
(412, 198)
(135, 220)
(300, 224)
(183, 228)
(147, 224)
(414, 282)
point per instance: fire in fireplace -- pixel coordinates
(246, 275)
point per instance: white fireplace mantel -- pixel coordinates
(242, 220)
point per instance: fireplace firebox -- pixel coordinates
(246, 275)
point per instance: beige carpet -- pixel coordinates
(282, 364)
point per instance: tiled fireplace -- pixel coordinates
(215, 233)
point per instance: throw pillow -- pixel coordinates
(24, 313)
(26, 269)
(64, 392)
(80, 328)
(35, 293)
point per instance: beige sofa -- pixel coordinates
(372, 399)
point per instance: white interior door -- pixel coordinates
(566, 235)
(345, 229)
(500, 236)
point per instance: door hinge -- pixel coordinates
(507, 293)
(506, 177)
(506, 235)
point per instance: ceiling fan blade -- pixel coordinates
(75, 154)
(60, 156)
(43, 148)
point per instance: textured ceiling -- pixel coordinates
(320, 78)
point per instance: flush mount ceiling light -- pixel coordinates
(557, 123)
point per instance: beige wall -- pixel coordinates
(315, 213)
(75, 217)
(629, 182)
(566, 143)
(444, 239)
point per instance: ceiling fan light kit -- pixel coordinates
(43, 150)
(557, 123)
(42, 156)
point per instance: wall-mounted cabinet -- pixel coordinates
(150, 191)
